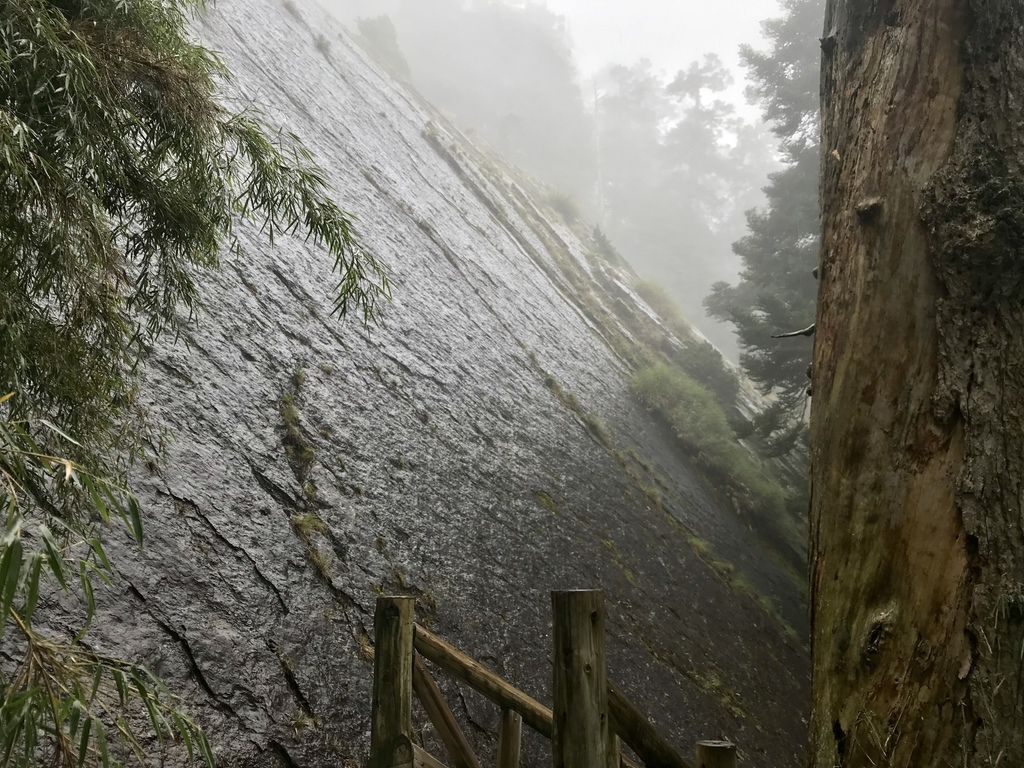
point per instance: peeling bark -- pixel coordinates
(917, 422)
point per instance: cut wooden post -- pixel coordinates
(459, 749)
(716, 754)
(582, 727)
(391, 714)
(510, 739)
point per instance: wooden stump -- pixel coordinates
(582, 726)
(716, 754)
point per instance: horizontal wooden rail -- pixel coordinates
(636, 730)
(405, 754)
(478, 677)
(397, 672)
(629, 723)
(440, 714)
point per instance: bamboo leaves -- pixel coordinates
(10, 572)
(76, 709)
(65, 703)
(122, 176)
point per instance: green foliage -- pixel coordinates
(565, 207)
(698, 358)
(62, 702)
(777, 292)
(731, 576)
(691, 409)
(605, 249)
(547, 501)
(666, 307)
(678, 167)
(307, 524)
(320, 561)
(121, 179)
(593, 424)
(507, 75)
(309, 492)
(702, 427)
(299, 452)
(705, 364)
(785, 78)
(381, 40)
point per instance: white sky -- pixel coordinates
(671, 33)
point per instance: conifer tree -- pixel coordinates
(776, 292)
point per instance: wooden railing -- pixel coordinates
(590, 715)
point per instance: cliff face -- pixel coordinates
(477, 449)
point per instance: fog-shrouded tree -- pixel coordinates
(122, 177)
(776, 292)
(662, 164)
(379, 35)
(917, 420)
(631, 109)
(676, 164)
(505, 72)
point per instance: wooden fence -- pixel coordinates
(590, 719)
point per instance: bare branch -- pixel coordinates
(808, 331)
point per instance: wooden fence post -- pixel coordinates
(510, 739)
(391, 717)
(582, 727)
(716, 754)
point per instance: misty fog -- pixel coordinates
(637, 116)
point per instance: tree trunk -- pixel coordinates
(918, 415)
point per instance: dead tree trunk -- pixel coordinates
(918, 415)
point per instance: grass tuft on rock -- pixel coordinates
(702, 427)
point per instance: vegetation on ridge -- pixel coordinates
(701, 426)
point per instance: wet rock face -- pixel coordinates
(477, 449)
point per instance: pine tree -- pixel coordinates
(777, 292)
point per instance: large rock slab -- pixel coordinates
(478, 448)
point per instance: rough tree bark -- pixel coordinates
(918, 415)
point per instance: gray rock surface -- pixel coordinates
(477, 449)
